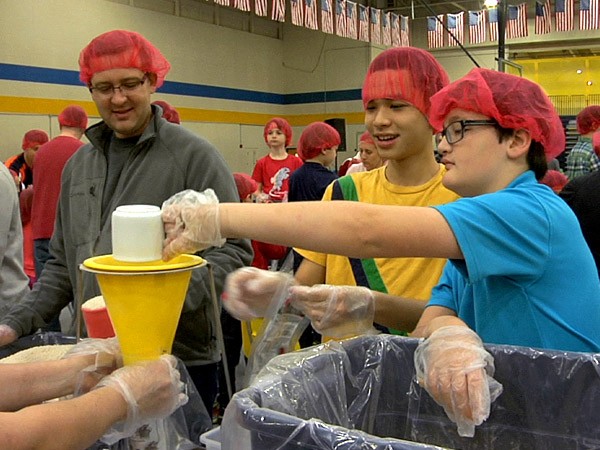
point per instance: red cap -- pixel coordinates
(122, 49)
(73, 116)
(33, 138)
(512, 101)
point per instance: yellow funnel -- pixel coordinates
(144, 301)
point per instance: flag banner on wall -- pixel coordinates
(542, 17)
(516, 24)
(477, 27)
(260, 8)
(310, 14)
(404, 32)
(278, 11)
(363, 23)
(222, 2)
(340, 18)
(395, 26)
(351, 19)
(375, 26)
(455, 24)
(588, 14)
(493, 20)
(563, 14)
(242, 5)
(297, 7)
(326, 17)
(386, 29)
(435, 31)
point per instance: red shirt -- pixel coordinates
(274, 175)
(50, 160)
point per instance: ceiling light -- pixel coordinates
(490, 3)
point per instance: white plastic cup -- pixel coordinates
(137, 233)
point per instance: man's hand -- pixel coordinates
(7, 335)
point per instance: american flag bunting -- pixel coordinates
(542, 17)
(477, 27)
(395, 21)
(297, 7)
(404, 32)
(363, 23)
(516, 24)
(340, 18)
(455, 24)
(278, 11)
(260, 8)
(435, 31)
(375, 26)
(588, 14)
(386, 35)
(326, 17)
(310, 14)
(351, 19)
(563, 14)
(222, 2)
(493, 20)
(242, 5)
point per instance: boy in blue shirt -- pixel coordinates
(520, 271)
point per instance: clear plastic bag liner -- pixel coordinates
(362, 394)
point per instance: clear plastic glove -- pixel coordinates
(249, 291)
(7, 335)
(456, 370)
(152, 390)
(191, 221)
(336, 311)
(107, 358)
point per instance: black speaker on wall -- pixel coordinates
(340, 126)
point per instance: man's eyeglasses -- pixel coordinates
(455, 131)
(129, 86)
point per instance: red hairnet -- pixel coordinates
(33, 138)
(284, 127)
(245, 185)
(367, 138)
(512, 101)
(555, 179)
(169, 112)
(588, 119)
(73, 116)
(122, 49)
(317, 137)
(404, 73)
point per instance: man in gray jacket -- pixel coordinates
(134, 157)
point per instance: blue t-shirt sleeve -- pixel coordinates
(506, 233)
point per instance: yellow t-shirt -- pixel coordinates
(407, 277)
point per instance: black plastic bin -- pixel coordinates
(362, 394)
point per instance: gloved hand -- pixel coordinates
(456, 370)
(249, 291)
(191, 221)
(105, 357)
(7, 335)
(336, 311)
(152, 390)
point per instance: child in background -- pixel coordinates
(317, 147)
(369, 155)
(272, 172)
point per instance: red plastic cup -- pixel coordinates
(98, 323)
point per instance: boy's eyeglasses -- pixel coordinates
(455, 131)
(129, 86)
